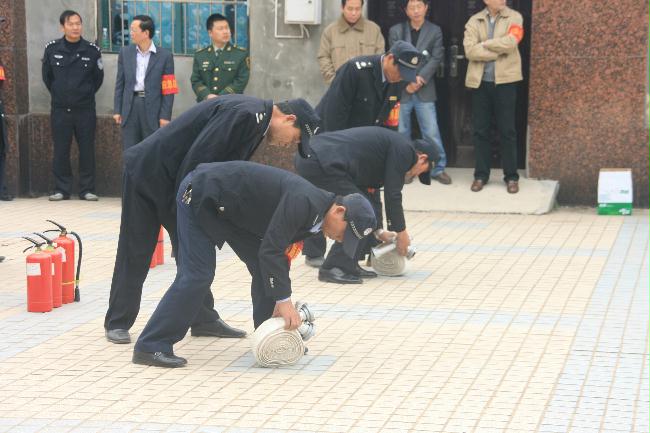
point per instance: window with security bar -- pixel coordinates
(180, 25)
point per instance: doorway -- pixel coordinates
(454, 99)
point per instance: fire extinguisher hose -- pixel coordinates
(77, 294)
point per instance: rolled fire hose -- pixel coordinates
(273, 346)
(385, 260)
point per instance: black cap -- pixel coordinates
(425, 145)
(408, 59)
(307, 120)
(361, 220)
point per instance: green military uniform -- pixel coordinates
(220, 74)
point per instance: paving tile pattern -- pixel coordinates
(505, 323)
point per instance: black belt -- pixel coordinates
(139, 93)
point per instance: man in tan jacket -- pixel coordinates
(350, 36)
(491, 42)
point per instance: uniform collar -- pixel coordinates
(214, 47)
(82, 44)
(344, 26)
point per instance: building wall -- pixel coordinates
(588, 94)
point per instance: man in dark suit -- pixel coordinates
(227, 128)
(355, 160)
(366, 90)
(421, 95)
(261, 212)
(145, 84)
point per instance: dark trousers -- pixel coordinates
(4, 146)
(81, 123)
(139, 227)
(196, 268)
(136, 127)
(340, 184)
(498, 101)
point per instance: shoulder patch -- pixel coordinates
(360, 64)
(50, 43)
(240, 48)
(95, 47)
(203, 49)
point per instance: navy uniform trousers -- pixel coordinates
(195, 272)
(139, 228)
(339, 184)
(81, 123)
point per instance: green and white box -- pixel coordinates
(615, 191)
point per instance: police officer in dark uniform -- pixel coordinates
(73, 72)
(221, 129)
(366, 89)
(261, 212)
(354, 160)
(366, 92)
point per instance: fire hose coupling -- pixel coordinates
(385, 260)
(273, 346)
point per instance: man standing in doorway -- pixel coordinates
(145, 84)
(420, 96)
(491, 42)
(220, 68)
(350, 36)
(73, 72)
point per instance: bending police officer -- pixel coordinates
(354, 161)
(221, 129)
(260, 211)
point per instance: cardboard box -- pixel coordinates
(615, 195)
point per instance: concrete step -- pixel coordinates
(535, 197)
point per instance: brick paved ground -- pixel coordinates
(506, 323)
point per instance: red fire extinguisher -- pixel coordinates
(70, 283)
(57, 268)
(39, 279)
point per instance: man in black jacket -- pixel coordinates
(366, 89)
(363, 160)
(73, 72)
(222, 129)
(261, 212)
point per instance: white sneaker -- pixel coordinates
(57, 196)
(89, 196)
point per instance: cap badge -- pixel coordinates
(414, 60)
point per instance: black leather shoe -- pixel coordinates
(118, 336)
(363, 273)
(6, 197)
(158, 359)
(219, 328)
(338, 276)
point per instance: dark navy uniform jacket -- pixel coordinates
(72, 77)
(358, 96)
(371, 157)
(221, 129)
(273, 205)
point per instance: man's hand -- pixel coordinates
(420, 81)
(163, 122)
(211, 95)
(403, 242)
(288, 312)
(117, 118)
(386, 236)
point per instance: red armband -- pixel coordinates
(517, 31)
(169, 86)
(293, 251)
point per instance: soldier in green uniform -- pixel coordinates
(221, 67)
